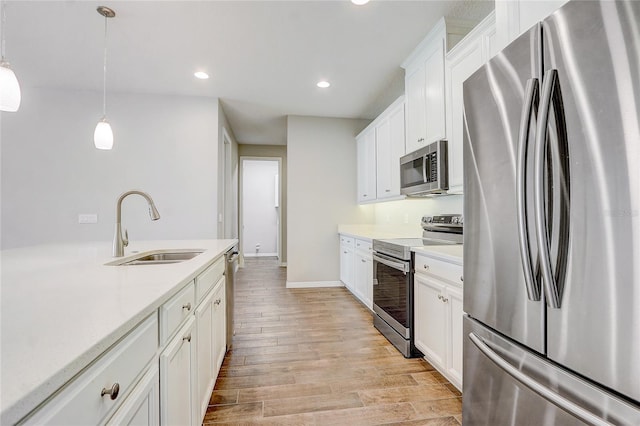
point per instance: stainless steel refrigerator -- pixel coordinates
(552, 223)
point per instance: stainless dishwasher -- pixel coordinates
(231, 263)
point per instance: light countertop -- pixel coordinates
(449, 253)
(378, 232)
(61, 307)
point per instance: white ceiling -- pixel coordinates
(264, 57)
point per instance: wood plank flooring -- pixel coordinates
(313, 357)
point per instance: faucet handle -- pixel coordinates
(125, 240)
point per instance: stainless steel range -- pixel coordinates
(393, 278)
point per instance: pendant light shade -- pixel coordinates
(10, 96)
(103, 135)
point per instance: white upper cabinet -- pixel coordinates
(380, 146)
(462, 61)
(366, 154)
(389, 149)
(425, 85)
(514, 17)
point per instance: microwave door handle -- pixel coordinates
(424, 168)
(528, 109)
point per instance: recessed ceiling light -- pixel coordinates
(323, 84)
(201, 75)
(359, 2)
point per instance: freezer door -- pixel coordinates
(499, 262)
(594, 48)
(505, 384)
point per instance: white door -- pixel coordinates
(429, 315)
(260, 204)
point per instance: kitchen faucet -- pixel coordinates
(120, 243)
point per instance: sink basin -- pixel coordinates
(158, 258)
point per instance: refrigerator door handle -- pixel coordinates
(548, 394)
(529, 108)
(551, 288)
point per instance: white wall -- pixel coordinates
(322, 194)
(51, 172)
(260, 214)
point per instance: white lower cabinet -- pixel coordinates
(219, 325)
(143, 405)
(130, 384)
(347, 262)
(438, 315)
(363, 256)
(93, 396)
(204, 351)
(177, 377)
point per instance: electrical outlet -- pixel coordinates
(88, 218)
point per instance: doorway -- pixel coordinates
(260, 211)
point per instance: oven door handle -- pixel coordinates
(392, 263)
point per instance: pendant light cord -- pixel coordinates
(104, 74)
(4, 20)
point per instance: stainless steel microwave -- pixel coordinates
(424, 171)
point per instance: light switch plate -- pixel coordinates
(88, 218)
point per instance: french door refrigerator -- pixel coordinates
(552, 223)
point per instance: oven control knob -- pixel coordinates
(427, 219)
(455, 220)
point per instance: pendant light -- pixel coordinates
(9, 88)
(103, 135)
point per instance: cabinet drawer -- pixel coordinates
(364, 245)
(206, 280)
(81, 402)
(438, 268)
(173, 312)
(346, 241)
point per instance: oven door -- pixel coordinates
(391, 292)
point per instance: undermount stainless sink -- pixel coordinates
(158, 258)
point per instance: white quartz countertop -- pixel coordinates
(449, 253)
(371, 232)
(61, 307)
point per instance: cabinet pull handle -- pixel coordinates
(187, 338)
(387, 190)
(217, 301)
(426, 267)
(113, 392)
(344, 252)
(445, 300)
(187, 306)
(461, 278)
(440, 296)
(363, 261)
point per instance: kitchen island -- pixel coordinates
(62, 307)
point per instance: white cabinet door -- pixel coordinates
(453, 298)
(429, 317)
(461, 63)
(219, 324)
(390, 146)
(205, 376)
(347, 262)
(177, 369)
(434, 93)
(366, 153)
(416, 108)
(383, 160)
(141, 407)
(364, 278)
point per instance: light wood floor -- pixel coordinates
(313, 357)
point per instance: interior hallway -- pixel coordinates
(313, 357)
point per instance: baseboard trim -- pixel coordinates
(261, 255)
(313, 284)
